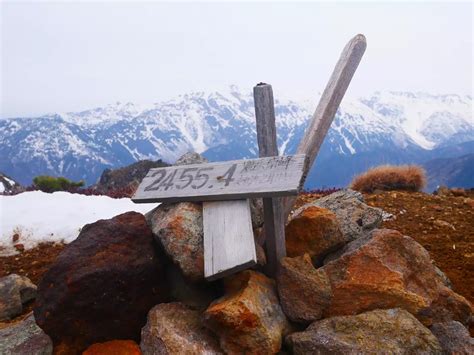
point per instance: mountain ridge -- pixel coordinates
(221, 126)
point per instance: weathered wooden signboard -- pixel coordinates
(225, 187)
(239, 179)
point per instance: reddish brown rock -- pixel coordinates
(315, 231)
(304, 291)
(115, 347)
(173, 328)
(178, 228)
(248, 319)
(392, 331)
(389, 270)
(102, 284)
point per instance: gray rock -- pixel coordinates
(392, 331)
(355, 217)
(15, 291)
(190, 158)
(25, 337)
(178, 228)
(453, 337)
(172, 328)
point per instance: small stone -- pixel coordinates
(173, 328)
(19, 247)
(15, 291)
(454, 338)
(443, 224)
(115, 347)
(249, 318)
(391, 331)
(25, 337)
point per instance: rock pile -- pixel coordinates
(345, 287)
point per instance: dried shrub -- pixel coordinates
(390, 177)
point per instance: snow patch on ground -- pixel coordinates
(41, 217)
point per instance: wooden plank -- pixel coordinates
(274, 227)
(239, 179)
(328, 105)
(228, 238)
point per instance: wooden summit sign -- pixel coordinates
(239, 179)
(225, 187)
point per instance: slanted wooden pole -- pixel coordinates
(327, 107)
(267, 147)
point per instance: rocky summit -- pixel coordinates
(134, 284)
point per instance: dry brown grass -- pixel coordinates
(390, 177)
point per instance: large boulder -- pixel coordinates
(392, 331)
(454, 338)
(305, 292)
(315, 231)
(15, 291)
(173, 328)
(102, 284)
(355, 217)
(127, 178)
(25, 337)
(248, 318)
(389, 270)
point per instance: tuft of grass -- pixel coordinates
(390, 177)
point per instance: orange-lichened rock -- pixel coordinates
(248, 319)
(305, 292)
(313, 230)
(387, 270)
(173, 328)
(391, 331)
(116, 347)
(178, 228)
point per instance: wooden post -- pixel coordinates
(274, 227)
(327, 107)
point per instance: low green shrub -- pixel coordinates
(51, 184)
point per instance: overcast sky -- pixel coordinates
(77, 55)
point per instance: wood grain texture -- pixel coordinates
(229, 245)
(274, 227)
(239, 179)
(328, 105)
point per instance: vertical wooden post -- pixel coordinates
(267, 145)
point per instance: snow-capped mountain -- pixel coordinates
(388, 127)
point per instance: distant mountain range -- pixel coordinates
(387, 127)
